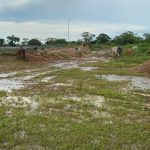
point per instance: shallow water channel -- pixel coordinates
(141, 83)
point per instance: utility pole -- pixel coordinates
(69, 29)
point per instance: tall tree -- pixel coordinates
(2, 41)
(147, 37)
(53, 41)
(25, 41)
(103, 38)
(87, 37)
(12, 40)
(127, 38)
(34, 42)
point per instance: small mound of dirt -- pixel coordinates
(147, 106)
(143, 68)
(52, 54)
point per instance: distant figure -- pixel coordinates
(78, 51)
(129, 51)
(120, 49)
(117, 51)
(20, 53)
(23, 53)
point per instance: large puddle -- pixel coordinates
(72, 65)
(10, 85)
(141, 83)
(5, 75)
(95, 59)
(9, 81)
(66, 65)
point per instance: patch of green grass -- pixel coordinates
(57, 132)
(3, 93)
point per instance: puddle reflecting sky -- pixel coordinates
(9, 85)
(142, 83)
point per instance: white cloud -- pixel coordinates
(59, 30)
(7, 5)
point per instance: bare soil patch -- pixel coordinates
(53, 54)
(143, 68)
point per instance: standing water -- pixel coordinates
(141, 83)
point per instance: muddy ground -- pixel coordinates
(93, 102)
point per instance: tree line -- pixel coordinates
(123, 39)
(88, 38)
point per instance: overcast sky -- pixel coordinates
(48, 18)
